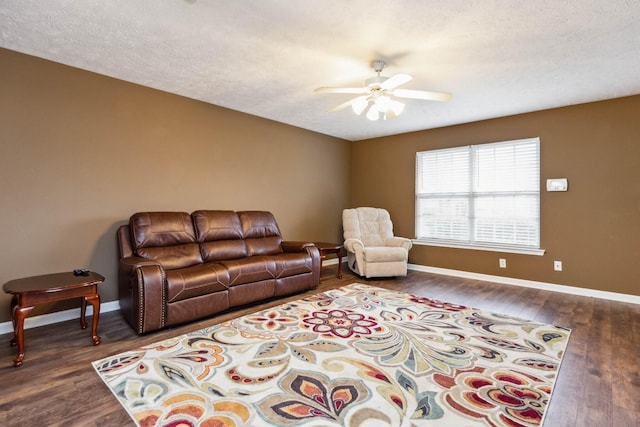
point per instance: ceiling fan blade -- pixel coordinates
(421, 94)
(344, 105)
(395, 81)
(356, 90)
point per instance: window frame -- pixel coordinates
(472, 194)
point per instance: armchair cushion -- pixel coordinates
(370, 225)
(385, 254)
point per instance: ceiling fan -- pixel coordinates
(378, 92)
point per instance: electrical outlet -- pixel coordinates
(502, 263)
(557, 265)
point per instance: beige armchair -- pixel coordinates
(372, 249)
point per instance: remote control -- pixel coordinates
(81, 272)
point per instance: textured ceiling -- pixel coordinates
(265, 57)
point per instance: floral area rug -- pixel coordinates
(358, 356)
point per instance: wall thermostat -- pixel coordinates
(557, 184)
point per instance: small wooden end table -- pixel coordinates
(330, 248)
(29, 291)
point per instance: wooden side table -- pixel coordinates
(29, 291)
(327, 249)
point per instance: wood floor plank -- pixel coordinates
(627, 381)
(563, 410)
(598, 384)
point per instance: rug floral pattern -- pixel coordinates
(356, 356)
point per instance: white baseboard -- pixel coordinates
(59, 316)
(594, 293)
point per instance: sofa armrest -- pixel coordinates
(133, 262)
(314, 254)
(142, 293)
(399, 241)
(294, 246)
(124, 241)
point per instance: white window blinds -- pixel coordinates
(480, 195)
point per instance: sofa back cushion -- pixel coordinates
(165, 237)
(219, 234)
(261, 232)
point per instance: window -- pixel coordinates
(484, 195)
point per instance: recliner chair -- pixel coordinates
(372, 249)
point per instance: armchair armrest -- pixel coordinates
(354, 245)
(399, 241)
(355, 254)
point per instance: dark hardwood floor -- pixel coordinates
(598, 384)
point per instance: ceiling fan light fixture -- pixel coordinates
(373, 112)
(389, 108)
(359, 104)
(397, 107)
(383, 102)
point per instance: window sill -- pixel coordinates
(504, 249)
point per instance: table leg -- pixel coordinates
(94, 300)
(323, 255)
(19, 314)
(339, 254)
(14, 304)
(83, 311)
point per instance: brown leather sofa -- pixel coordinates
(175, 267)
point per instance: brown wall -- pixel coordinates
(594, 228)
(80, 153)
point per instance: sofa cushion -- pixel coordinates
(219, 234)
(165, 237)
(150, 229)
(196, 307)
(172, 257)
(250, 269)
(195, 281)
(261, 232)
(251, 292)
(291, 264)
